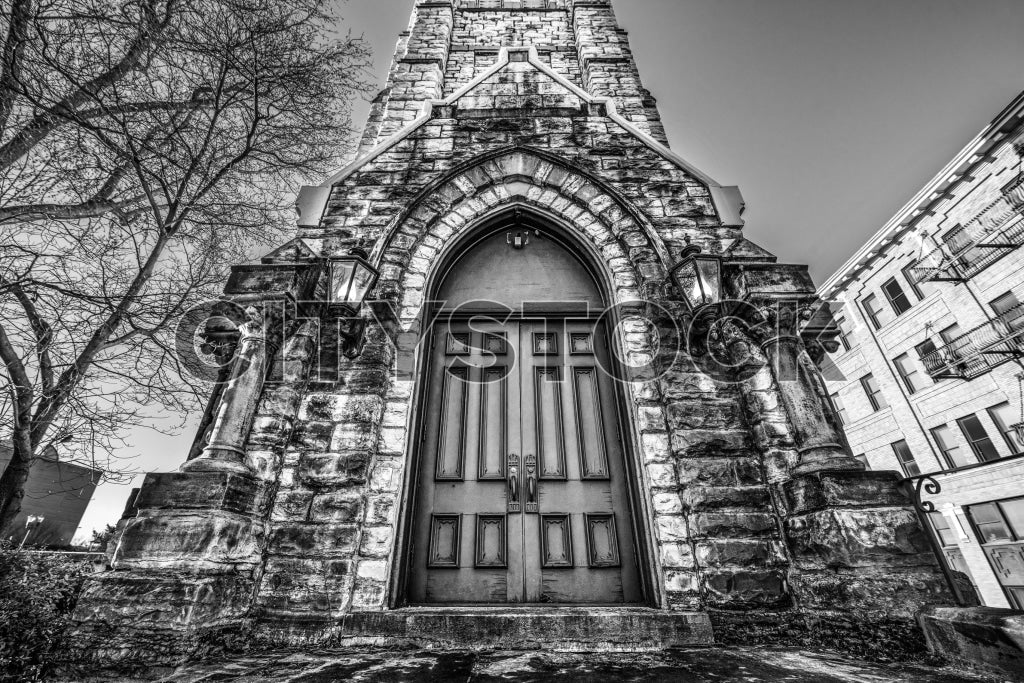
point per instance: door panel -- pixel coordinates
(460, 496)
(493, 424)
(602, 568)
(547, 394)
(589, 421)
(451, 454)
(522, 494)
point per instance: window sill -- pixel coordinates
(842, 355)
(870, 419)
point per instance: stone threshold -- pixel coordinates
(564, 629)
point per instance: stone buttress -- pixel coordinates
(285, 525)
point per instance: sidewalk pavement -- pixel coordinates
(749, 665)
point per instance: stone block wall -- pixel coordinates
(448, 44)
(720, 542)
(328, 528)
(712, 449)
(609, 69)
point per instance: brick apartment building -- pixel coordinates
(927, 379)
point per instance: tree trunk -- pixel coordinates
(12, 482)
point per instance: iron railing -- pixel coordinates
(959, 584)
(976, 352)
(919, 489)
(976, 245)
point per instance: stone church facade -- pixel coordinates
(616, 480)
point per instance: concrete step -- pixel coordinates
(567, 629)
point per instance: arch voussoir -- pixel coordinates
(559, 189)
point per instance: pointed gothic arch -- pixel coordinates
(414, 404)
(630, 248)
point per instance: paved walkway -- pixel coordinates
(750, 665)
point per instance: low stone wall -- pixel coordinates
(875, 638)
(984, 638)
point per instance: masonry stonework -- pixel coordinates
(535, 109)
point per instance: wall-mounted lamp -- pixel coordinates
(350, 280)
(698, 277)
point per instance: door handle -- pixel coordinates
(531, 485)
(513, 483)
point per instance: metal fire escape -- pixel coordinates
(976, 352)
(966, 251)
(973, 247)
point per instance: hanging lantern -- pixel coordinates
(351, 279)
(698, 277)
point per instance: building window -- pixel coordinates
(1004, 417)
(1006, 309)
(947, 536)
(951, 333)
(977, 437)
(909, 373)
(1013, 511)
(898, 299)
(840, 409)
(873, 311)
(906, 458)
(955, 456)
(957, 240)
(874, 392)
(952, 346)
(990, 523)
(1000, 527)
(999, 521)
(844, 333)
(915, 285)
(934, 364)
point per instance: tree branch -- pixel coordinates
(69, 380)
(10, 61)
(196, 102)
(46, 121)
(43, 334)
(89, 209)
(19, 377)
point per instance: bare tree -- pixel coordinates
(145, 145)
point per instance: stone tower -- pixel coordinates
(452, 482)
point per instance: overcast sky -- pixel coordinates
(829, 115)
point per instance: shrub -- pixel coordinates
(38, 592)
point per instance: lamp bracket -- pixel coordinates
(351, 335)
(518, 240)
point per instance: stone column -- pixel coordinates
(189, 555)
(857, 550)
(816, 429)
(225, 450)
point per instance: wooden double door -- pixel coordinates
(521, 494)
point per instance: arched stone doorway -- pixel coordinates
(520, 488)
